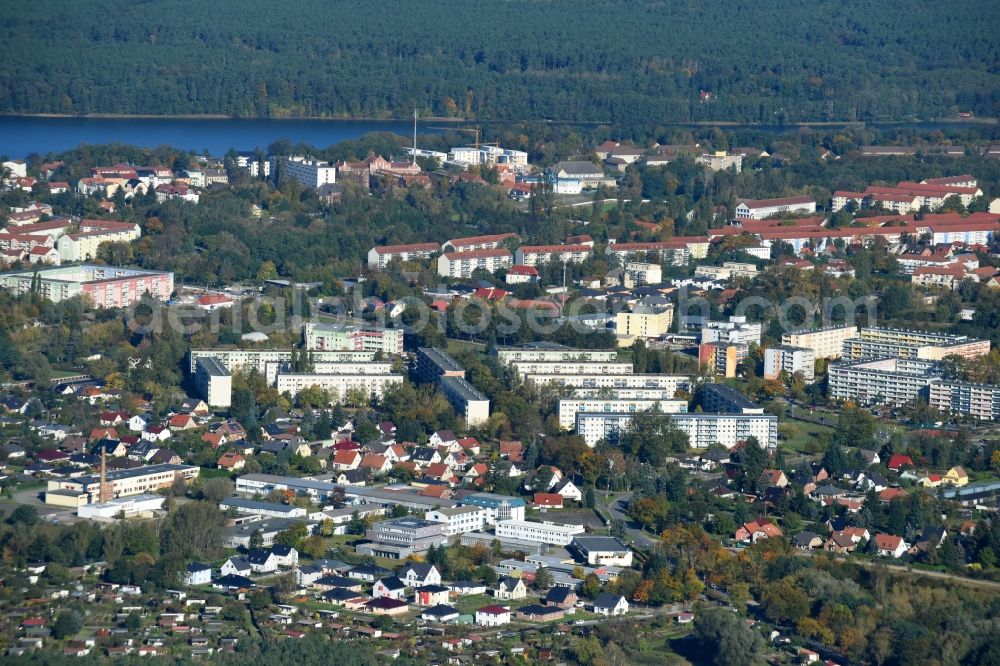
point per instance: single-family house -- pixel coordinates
(561, 597)
(431, 595)
(198, 574)
(510, 588)
(391, 587)
(419, 574)
(492, 616)
(236, 566)
(262, 561)
(889, 545)
(441, 614)
(610, 604)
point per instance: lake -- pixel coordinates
(23, 135)
(20, 135)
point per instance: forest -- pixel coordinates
(624, 61)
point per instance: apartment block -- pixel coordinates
(310, 173)
(644, 321)
(101, 286)
(669, 384)
(471, 243)
(890, 381)
(827, 342)
(790, 360)
(354, 338)
(737, 331)
(258, 359)
(434, 363)
(470, 403)
(524, 368)
(759, 209)
(721, 357)
(638, 274)
(545, 532)
(83, 245)
(726, 399)
(980, 401)
(568, 408)
(338, 385)
(214, 382)
(874, 343)
(380, 256)
(702, 430)
(720, 161)
(533, 255)
(553, 353)
(464, 264)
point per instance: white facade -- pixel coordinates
(469, 402)
(509, 355)
(311, 173)
(702, 430)
(129, 507)
(759, 209)
(82, 246)
(355, 338)
(338, 385)
(235, 359)
(380, 256)
(460, 519)
(736, 331)
(464, 264)
(546, 532)
(214, 383)
(524, 368)
(639, 273)
(569, 407)
(825, 342)
(669, 384)
(492, 618)
(790, 360)
(891, 381)
(528, 255)
(720, 161)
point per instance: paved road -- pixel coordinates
(615, 506)
(907, 571)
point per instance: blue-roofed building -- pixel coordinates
(498, 507)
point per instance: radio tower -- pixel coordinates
(414, 136)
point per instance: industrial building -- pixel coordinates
(544, 532)
(120, 483)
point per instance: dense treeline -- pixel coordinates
(623, 61)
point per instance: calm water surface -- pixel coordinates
(21, 136)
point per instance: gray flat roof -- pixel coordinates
(212, 366)
(441, 358)
(462, 387)
(244, 503)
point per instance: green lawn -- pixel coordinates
(469, 604)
